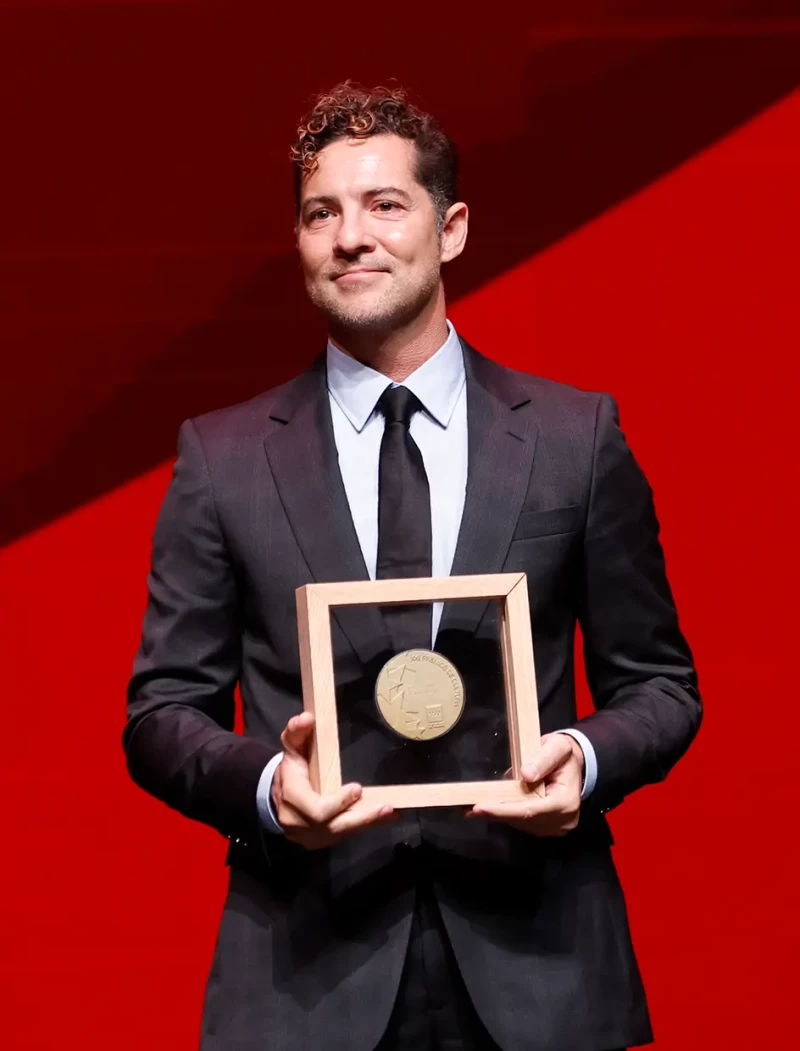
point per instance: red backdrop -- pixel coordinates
(633, 174)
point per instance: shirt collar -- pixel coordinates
(356, 387)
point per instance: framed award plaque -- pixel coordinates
(420, 694)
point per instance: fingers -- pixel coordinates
(361, 817)
(553, 814)
(555, 751)
(535, 823)
(307, 817)
(296, 738)
(316, 821)
(521, 809)
(315, 837)
(305, 806)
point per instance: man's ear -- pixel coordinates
(454, 231)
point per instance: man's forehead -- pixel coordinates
(357, 165)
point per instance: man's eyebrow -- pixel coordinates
(326, 200)
(391, 191)
(319, 199)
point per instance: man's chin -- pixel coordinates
(361, 318)
(363, 312)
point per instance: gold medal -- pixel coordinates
(420, 694)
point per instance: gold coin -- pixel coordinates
(420, 694)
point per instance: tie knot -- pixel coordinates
(398, 405)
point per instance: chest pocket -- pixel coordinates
(547, 523)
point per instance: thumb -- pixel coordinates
(296, 737)
(556, 749)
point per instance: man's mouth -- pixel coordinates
(359, 272)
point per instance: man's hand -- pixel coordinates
(308, 818)
(559, 767)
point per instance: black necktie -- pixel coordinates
(404, 517)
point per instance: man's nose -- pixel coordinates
(352, 237)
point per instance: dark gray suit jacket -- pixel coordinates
(312, 944)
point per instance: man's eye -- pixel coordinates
(387, 206)
(321, 213)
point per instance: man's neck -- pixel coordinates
(399, 352)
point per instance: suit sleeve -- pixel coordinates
(638, 664)
(179, 738)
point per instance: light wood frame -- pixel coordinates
(314, 602)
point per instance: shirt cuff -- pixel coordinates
(266, 811)
(589, 761)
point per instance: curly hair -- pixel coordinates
(351, 111)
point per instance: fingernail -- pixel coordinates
(530, 772)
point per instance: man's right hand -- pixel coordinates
(308, 818)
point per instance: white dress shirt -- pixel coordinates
(440, 432)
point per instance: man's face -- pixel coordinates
(368, 236)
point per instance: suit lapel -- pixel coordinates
(302, 455)
(501, 445)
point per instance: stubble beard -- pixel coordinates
(394, 309)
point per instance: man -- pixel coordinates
(403, 452)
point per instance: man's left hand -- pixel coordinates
(559, 767)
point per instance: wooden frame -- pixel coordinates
(314, 602)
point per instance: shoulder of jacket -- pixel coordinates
(555, 393)
(551, 398)
(245, 419)
(545, 394)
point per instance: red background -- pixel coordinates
(632, 170)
